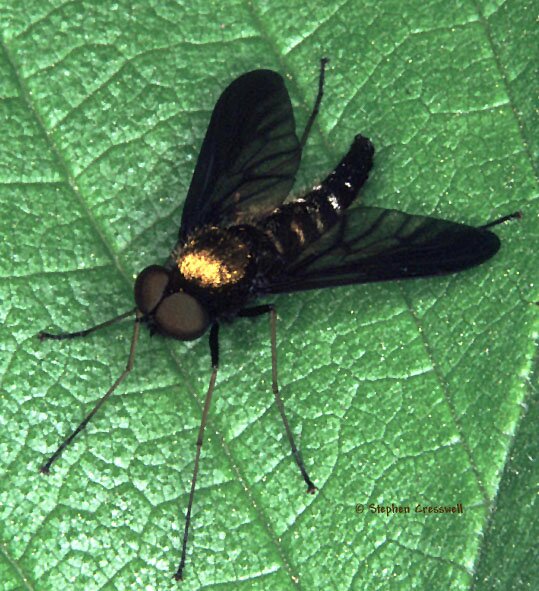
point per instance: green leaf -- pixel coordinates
(406, 393)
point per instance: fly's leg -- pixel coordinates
(214, 349)
(317, 102)
(42, 336)
(45, 468)
(270, 309)
(517, 215)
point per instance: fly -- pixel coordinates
(239, 240)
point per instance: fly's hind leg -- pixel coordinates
(318, 100)
(270, 309)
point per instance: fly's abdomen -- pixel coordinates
(292, 227)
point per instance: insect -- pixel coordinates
(239, 240)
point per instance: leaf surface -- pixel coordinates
(405, 393)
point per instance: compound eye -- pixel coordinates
(181, 316)
(150, 287)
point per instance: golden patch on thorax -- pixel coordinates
(216, 260)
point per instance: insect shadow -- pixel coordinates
(239, 240)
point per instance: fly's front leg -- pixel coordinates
(60, 336)
(45, 468)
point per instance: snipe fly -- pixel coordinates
(238, 240)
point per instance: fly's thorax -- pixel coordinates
(217, 264)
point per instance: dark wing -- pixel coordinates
(374, 244)
(249, 157)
